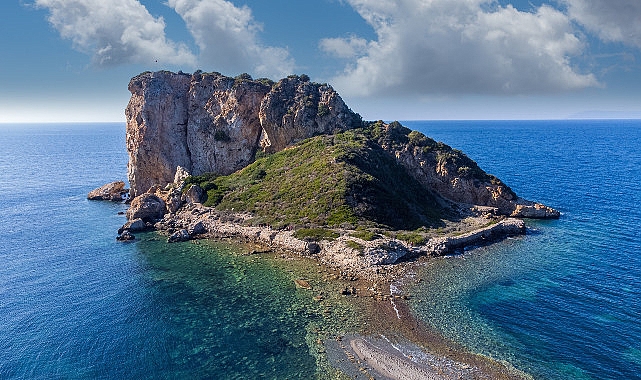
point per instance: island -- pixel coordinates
(288, 166)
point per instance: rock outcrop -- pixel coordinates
(452, 175)
(297, 109)
(181, 124)
(114, 191)
(148, 207)
(207, 122)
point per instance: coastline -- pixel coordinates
(385, 341)
(377, 259)
(372, 333)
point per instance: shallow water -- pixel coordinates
(77, 304)
(565, 300)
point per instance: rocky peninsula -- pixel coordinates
(290, 167)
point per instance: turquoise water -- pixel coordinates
(76, 304)
(564, 302)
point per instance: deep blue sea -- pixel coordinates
(563, 302)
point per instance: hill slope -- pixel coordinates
(330, 180)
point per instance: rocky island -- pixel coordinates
(289, 166)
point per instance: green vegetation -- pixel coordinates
(326, 181)
(265, 81)
(354, 245)
(346, 180)
(413, 237)
(323, 110)
(365, 235)
(244, 77)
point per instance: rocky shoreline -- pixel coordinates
(360, 257)
(392, 344)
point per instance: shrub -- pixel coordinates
(364, 235)
(354, 245)
(214, 197)
(323, 109)
(265, 81)
(414, 238)
(243, 77)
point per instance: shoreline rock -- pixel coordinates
(113, 191)
(197, 221)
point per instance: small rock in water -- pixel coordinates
(302, 284)
(114, 191)
(178, 236)
(125, 236)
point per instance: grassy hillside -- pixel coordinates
(330, 180)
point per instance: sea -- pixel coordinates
(562, 302)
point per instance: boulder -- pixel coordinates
(178, 236)
(534, 211)
(125, 236)
(312, 248)
(181, 174)
(136, 225)
(195, 194)
(114, 191)
(197, 228)
(172, 198)
(148, 207)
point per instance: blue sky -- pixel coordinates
(71, 60)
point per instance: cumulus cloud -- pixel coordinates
(344, 47)
(611, 20)
(461, 46)
(115, 32)
(228, 38)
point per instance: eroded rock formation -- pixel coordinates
(114, 191)
(454, 176)
(207, 122)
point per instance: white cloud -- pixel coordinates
(115, 32)
(344, 47)
(462, 47)
(228, 38)
(611, 20)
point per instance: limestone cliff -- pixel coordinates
(295, 110)
(207, 122)
(452, 175)
(210, 123)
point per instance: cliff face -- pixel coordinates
(452, 175)
(294, 110)
(207, 122)
(210, 123)
(157, 117)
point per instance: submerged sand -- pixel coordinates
(386, 341)
(397, 346)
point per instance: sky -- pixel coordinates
(71, 60)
